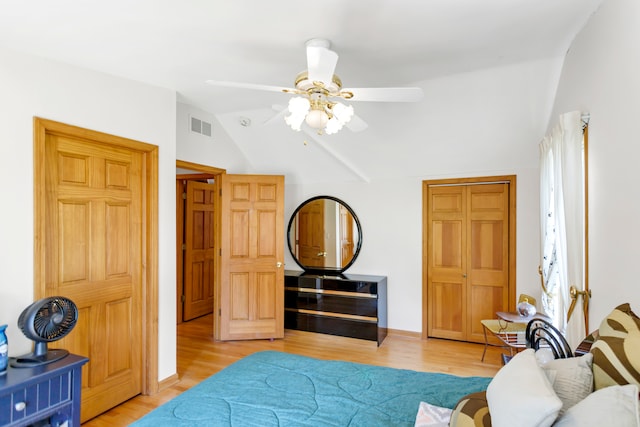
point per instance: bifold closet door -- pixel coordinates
(468, 258)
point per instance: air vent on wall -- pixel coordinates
(200, 126)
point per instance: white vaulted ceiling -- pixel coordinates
(178, 44)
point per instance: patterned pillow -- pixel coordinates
(471, 411)
(432, 416)
(571, 378)
(616, 352)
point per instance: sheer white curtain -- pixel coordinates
(562, 223)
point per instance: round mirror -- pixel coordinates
(324, 235)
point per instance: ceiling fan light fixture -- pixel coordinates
(298, 107)
(342, 112)
(333, 126)
(317, 119)
(319, 87)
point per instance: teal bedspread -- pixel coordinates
(271, 388)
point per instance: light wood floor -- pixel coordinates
(199, 356)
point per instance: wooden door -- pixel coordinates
(488, 255)
(199, 251)
(311, 242)
(447, 262)
(93, 255)
(249, 297)
(469, 246)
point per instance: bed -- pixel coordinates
(272, 388)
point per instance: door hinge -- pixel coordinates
(220, 252)
(220, 192)
(219, 312)
(184, 196)
(183, 298)
(184, 247)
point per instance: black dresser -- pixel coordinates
(350, 305)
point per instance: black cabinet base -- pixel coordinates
(347, 305)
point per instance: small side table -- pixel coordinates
(512, 316)
(31, 395)
(509, 328)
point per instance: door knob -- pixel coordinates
(278, 264)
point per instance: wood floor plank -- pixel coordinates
(199, 356)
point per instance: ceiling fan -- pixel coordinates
(319, 94)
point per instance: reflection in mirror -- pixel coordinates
(324, 235)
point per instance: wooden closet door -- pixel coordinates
(468, 249)
(447, 237)
(487, 254)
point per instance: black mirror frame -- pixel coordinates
(317, 270)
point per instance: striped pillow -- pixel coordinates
(616, 352)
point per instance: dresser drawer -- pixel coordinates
(333, 326)
(35, 399)
(33, 395)
(332, 284)
(299, 298)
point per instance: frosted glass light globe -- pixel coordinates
(317, 119)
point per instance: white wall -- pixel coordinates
(483, 123)
(218, 150)
(601, 76)
(31, 87)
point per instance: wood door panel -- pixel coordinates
(487, 245)
(447, 319)
(239, 244)
(267, 294)
(118, 350)
(447, 250)
(117, 239)
(445, 201)
(74, 225)
(267, 192)
(73, 168)
(240, 296)
(267, 241)
(251, 285)
(117, 175)
(484, 200)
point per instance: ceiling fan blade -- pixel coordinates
(321, 63)
(386, 94)
(282, 110)
(249, 86)
(356, 124)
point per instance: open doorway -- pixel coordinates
(195, 239)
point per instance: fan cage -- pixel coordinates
(48, 319)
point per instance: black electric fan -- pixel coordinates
(46, 320)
